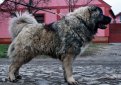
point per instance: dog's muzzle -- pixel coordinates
(102, 24)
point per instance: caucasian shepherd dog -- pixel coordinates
(63, 39)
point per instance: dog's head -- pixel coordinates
(93, 16)
(99, 18)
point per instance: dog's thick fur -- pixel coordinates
(63, 39)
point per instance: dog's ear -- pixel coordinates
(93, 8)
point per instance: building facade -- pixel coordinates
(118, 18)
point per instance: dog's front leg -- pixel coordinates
(67, 67)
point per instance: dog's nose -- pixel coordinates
(109, 19)
(106, 20)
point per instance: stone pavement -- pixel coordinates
(101, 67)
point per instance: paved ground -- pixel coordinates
(96, 67)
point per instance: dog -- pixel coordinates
(63, 39)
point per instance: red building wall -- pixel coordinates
(115, 33)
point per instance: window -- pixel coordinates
(40, 18)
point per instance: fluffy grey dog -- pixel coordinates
(63, 39)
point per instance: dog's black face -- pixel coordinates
(100, 19)
(102, 24)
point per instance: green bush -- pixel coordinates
(3, 50)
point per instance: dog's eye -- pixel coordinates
(96, 14)
(101, 14)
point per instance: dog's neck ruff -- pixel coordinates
(82, 21)
(88, 31)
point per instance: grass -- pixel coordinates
(3, 50)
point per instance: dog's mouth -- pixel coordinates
(102, 26)
(103, 23)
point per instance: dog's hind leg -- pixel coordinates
(14, 70)
(17, 62)
(67, 66)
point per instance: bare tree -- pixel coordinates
(9, 7)
(87, 2)
(72, 3)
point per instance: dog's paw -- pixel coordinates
(71, 81)
(12, 78)
(18, 77)
(74, 83)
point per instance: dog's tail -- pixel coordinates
(17, 23)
